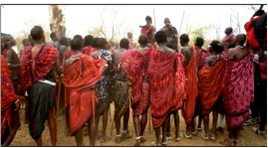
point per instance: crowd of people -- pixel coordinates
(155, 77)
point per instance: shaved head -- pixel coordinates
(143, 39)
(240, 39)
(167, 19)
(37, 33)
(228, 30)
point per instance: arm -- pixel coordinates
(15, 124)
(9, 61)
(230, 54)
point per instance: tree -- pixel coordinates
(57, 19)
(110, 24)
(23, 34)
(197, 32)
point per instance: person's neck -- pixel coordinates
(161, 44)
(228, 34)
(143, 46)
(199, 48)
(185, 44)
(54, 41)
(77, 51)
(39, 42)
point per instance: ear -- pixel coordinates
(43, 37)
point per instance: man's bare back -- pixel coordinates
(186, 51)
(117, 55)
(237, 53)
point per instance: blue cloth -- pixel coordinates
(52, 44)
(100, 87)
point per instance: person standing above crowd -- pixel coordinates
(171, 32)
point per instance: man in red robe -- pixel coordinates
(81, 73)
(228, 39)
(210, 86)
(238, 88)
(25, 43)
(191, 70)
(149, 30)
(202, 54)
(39, 65)
(10, 119)
(133, 63)
(166, 76)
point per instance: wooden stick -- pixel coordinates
(93, 105)
(261, 7)
(58, 104)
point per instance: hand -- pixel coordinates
(61, 76)
(17, 106)
(22, 100)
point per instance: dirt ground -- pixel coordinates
(23, 138)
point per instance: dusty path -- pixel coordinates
(23, 138)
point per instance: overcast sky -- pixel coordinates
(81, 18)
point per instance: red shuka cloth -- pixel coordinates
(167, 84)
(8, 96)
(191, 87)
(39, 66)
(81, 75)
(210, 84)
(238, 89)
(133, 63)
(226, 41)
(87, 50)
(201, 56)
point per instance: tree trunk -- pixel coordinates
(57, 19)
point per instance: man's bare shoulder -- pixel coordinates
(68, 61)
(186, 50)
(231, 53)
(169, 51)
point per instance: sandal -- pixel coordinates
(199, 129)
(177, 139)
(143, 139)
(164, 143)
(227, 142)
(257, 131)
(194, 132)
(138, 141)
(205, 137)
(212, 137)
(156, 144)
(186, 136)
(168, 138)
(236, 142)
(106, 138)
(118, 139)
(126, 135)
